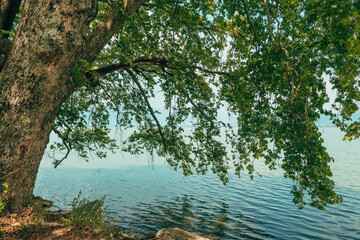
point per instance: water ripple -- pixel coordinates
(141, 200)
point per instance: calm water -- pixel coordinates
(141, 198)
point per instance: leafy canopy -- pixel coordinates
(265, 62)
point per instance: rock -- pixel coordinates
(150, 235)
(177, 234)
(52, 217)
(133, 237)
(38, 201)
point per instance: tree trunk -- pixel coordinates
(34, 82)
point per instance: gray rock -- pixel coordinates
(177, 234)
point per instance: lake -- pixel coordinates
(143, 197)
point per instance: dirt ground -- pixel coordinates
(38, 222)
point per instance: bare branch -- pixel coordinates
(58, 162)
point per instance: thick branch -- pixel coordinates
(151, 60)
(161, 61)
(104, 31)
(119, 66)
(8, 11)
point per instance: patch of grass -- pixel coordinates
(30, 228)
(88, 215)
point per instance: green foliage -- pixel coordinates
(5, 32)
(4, 197)
(265, 62)
(83, 119)
(86, 214)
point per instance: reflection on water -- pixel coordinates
(141, 200)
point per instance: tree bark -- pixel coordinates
(35, 80)
(104, 31)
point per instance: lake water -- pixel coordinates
(143, 198)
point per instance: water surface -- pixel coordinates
(143, 198)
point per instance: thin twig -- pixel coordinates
(58, 162)
(149, 106)
(250, 21)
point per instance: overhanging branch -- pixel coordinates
(149, 60)
(119, 66)
(68, 146)
(149, 107)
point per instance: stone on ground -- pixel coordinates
(177, 234)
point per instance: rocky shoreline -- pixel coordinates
(38, 222)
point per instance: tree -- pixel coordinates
(66, 64)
